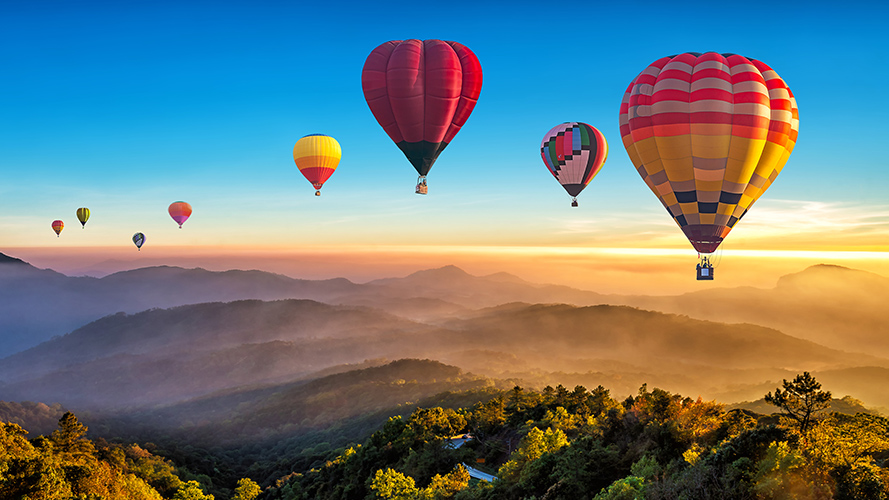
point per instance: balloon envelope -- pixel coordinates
(708, 133)
(421, 92)
(574, 152)
(179, 211)
(83, 215)
(139, 240)
(317, 156)
(57, 226)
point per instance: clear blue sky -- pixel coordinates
(125, 107)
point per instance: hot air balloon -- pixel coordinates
(139, 240)
(317, 156)
(179, 211)
(574, 152)
(57, 226)
(708, 133)
(83, 215)
(421, 92)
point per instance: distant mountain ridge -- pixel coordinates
(164, 356)
(832, 305)
(5, 259)
(26, 294)
(483, 324)
(130, 359)
(37, 304)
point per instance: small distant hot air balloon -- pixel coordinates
(83, 215)
(574, 152)
(421, 92)
(57, 226)
(179, 211)
(139, 240)
(708, 133)
(317, 156)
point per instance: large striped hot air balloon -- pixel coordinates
(708, 133)
(57, 226)
(574, 152)
(180, 211)
(421, 92)
(317, 156)
(83, 215)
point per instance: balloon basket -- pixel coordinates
(573, 202)
(705, 270)
(422, 188)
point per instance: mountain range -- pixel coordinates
(38, 304)
(165, 335)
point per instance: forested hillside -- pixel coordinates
(66, 465)
(581, 444)
(557, 443)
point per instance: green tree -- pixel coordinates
(154, 470)
(426, 425)
(446, 486)
(782, 474)
(518, 401)
(845, 446)
(532, 447)
(393, 485)
(560, 419)
(247, 489)
(191, 491)
(628, 488)
(801, 399)
(70, 438)
(846, 440)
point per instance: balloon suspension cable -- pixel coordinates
(704, 258)
(718, 255)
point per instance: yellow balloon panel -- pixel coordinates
(705, 145)
(317, 151)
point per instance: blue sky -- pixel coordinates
(125, 107)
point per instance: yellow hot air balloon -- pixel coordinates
(317, 156)
(83, 215)
(708, 133)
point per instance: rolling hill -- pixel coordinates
(835, 306)
(38, 304)
(165, 356)
(28, 294)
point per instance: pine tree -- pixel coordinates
(801, 399)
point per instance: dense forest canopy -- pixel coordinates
(557, 443)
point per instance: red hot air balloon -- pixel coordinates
(180, 211)
(57, 226)
(421, 92)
